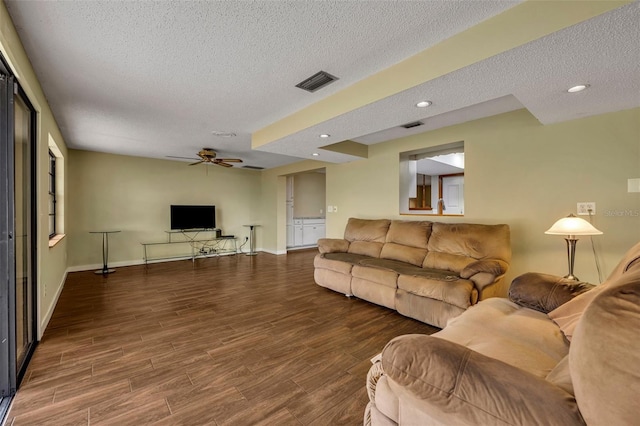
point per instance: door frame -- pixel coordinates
(12, 374)
(441, 194)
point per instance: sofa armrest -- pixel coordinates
(484, 273)
(544, 292)
(333, 245)
(450, 378)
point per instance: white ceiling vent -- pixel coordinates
(412, 124)
(316, 81)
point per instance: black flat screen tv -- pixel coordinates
(193, 217)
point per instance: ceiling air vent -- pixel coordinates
(412, 125)
(253, 167)
(316, 81)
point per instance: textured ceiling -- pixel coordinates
(155, 79)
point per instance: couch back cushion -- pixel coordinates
(569, 314)
(366, 236)
(407, 241)
(605, 354)
(452, 246)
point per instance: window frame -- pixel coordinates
(52, 195)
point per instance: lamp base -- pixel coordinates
(571, 277)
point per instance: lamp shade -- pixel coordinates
(572, 225)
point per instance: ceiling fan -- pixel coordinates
(208, 155)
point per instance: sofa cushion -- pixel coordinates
(407, 241)
(568, 315)
(501, 329)
(454, 246)
(605, 354)
(385, 277)
(439, 286)
(412, 255)
(409, 233)
(366, 230)
(339, 262)
(561, 376)
(366, 248)
(451, 379)
(391, 265)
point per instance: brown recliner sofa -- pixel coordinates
(556, 352)
(425, 270)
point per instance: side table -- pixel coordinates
(105, 251)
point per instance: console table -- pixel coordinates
(202, 243)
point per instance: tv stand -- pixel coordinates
(202, 243)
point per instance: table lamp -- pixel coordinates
(572, 226)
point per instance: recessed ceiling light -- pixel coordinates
(315, 154)
(325, 135)
(423, 104)
(578, 88)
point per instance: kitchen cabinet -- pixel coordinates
(307, 231)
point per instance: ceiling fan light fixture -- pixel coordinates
(424, 104)
(324, 135)
(315, 154)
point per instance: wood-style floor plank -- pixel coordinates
(235, 340)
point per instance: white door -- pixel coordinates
(453, 194)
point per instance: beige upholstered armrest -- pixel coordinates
(333, 245)
(544, 292)
(479, 389)
(484, 272)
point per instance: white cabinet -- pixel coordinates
(307, 231)
(297, 232)
(313, 230)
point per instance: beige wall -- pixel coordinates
(133, 195)
(309, 191)
(517, 172)
(51, 262)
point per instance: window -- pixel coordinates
(52, 195)
(432, 180)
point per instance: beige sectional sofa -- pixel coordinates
(429, 271)
(556, 352)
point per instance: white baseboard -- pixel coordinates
(276, 252)
(97, 266)
(44, 321)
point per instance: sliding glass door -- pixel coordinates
(17, 233)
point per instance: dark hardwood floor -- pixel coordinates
(235, 340)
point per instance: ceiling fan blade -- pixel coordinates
(198, 162)
(182, 158)
(230, 160)
(220, 163)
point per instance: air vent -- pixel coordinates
(412, 125)
(253, 167)
(316, 81)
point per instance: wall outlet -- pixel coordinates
(329, 209)
(586, 208)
